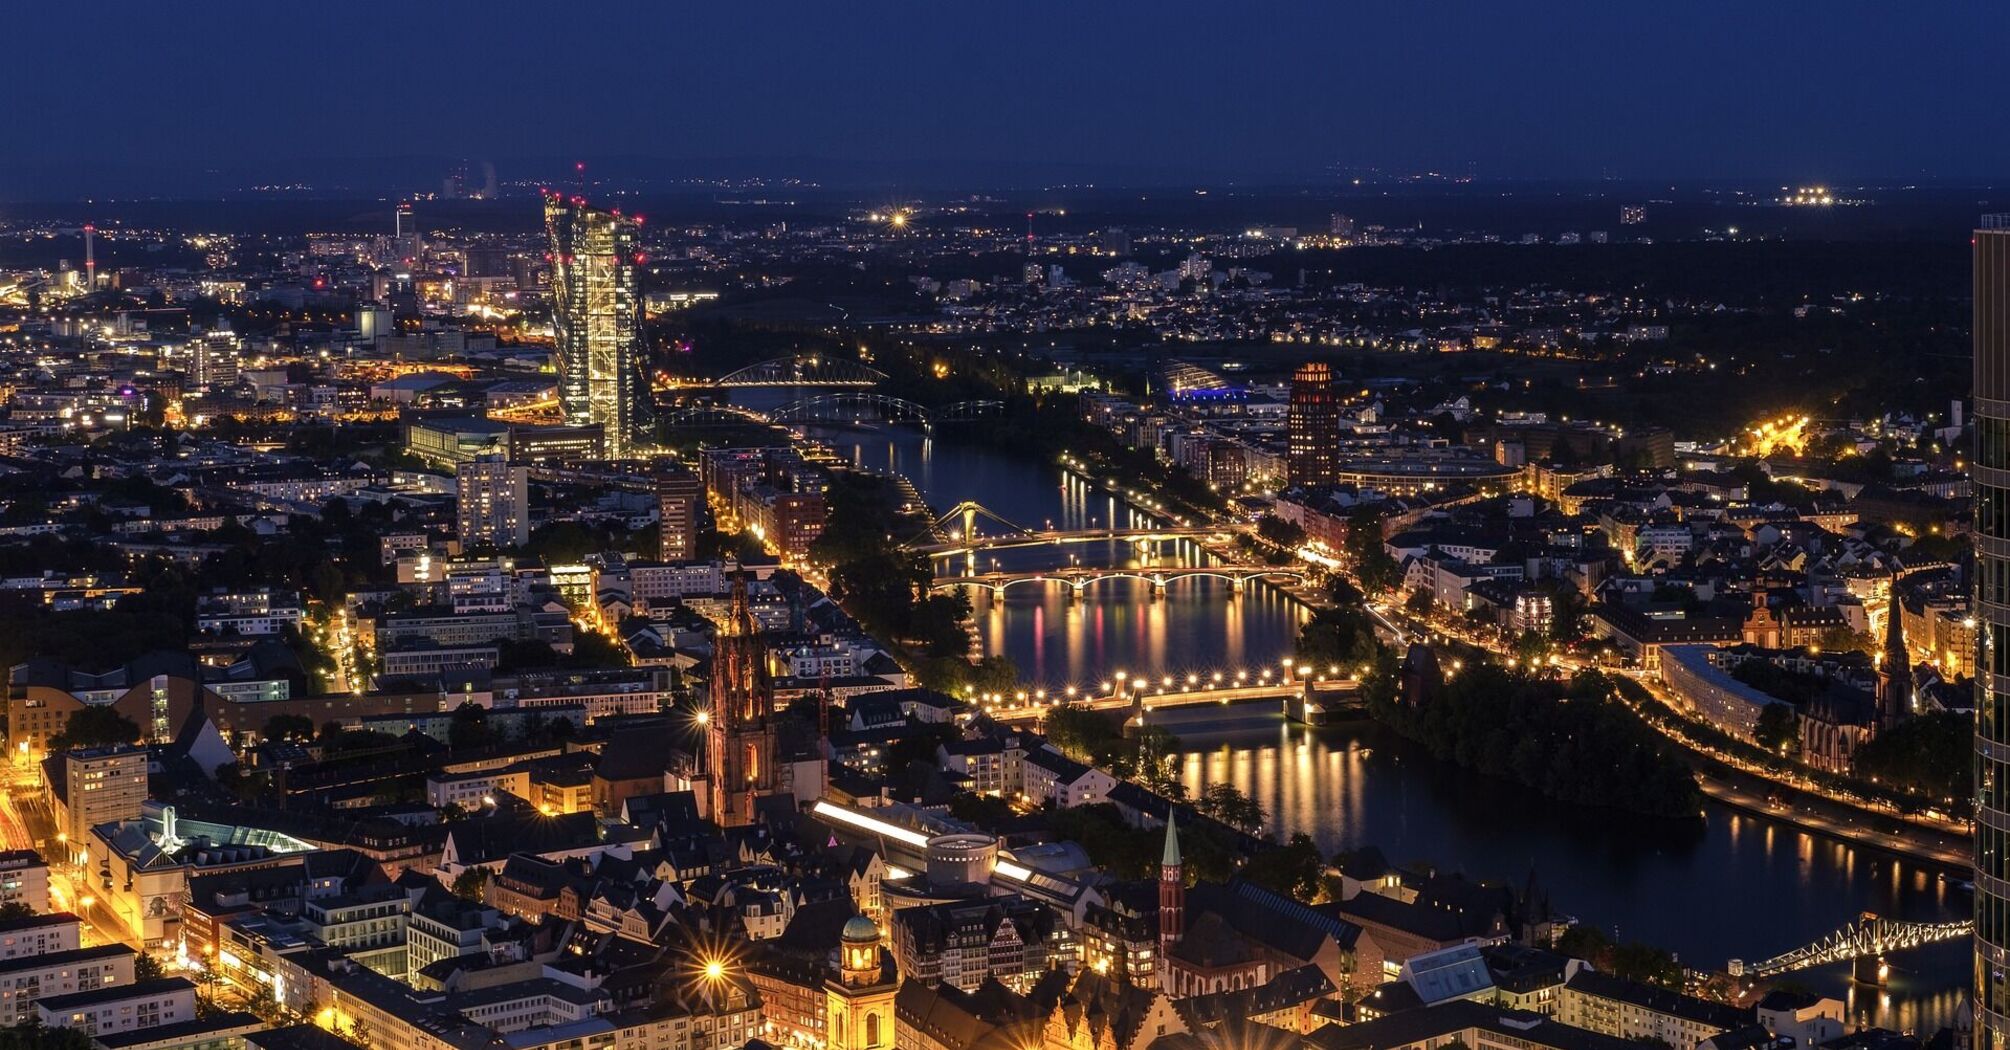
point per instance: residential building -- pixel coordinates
(1314, 426)
(679, 494)
(494, 508)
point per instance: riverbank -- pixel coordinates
(1943, 844)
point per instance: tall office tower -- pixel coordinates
(1991, 476)
(678, 494)
(1313, 456)
(405, 243)
(214, 358)
(494, 503)
(598, 318)
(741, 751)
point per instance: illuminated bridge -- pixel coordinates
(1080, 580)
(1040, 537)
(1869, 938)
(837, 408)
(1143, 695)
(801, 370)
(879, 408)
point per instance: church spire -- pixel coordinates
(1172, 896)
(1894, 694)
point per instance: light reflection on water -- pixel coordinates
(1734, 887)
(1737, 886)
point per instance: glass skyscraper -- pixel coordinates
(1992, 612)
(597, 315)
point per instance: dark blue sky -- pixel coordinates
(1226, 88)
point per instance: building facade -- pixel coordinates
(1313, 422)
(1992, 611)
(678, 494)
(741, 751)
(494, 506)
(597, 318)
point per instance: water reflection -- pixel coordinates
(1732, 886)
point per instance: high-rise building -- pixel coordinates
(213, 359)
(1172, 895)
(495, 502)
(678, 494)
(405, 244)
(1313, 454)
(596, 313)
(1992, 611)
(101, 785)
(741, 751)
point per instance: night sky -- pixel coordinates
(1233, 89)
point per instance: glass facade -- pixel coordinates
(1992, 610)
(597, 318)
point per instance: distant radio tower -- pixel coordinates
(90, 257)
(1029, 236)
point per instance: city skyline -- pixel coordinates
(1063, 527)
(1292, 93)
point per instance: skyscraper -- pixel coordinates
(405, 243)
(597, 316)
(742, 745)
(678, 493)
(1992, 611)
(1314, 423)
(1172, 895)
(494, 502)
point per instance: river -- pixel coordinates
(1736, 886)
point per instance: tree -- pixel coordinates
(1292, 869)
(15, 910)
(472, 884)
(147, 968)
(1280, 532)
(469, 727)
(985, 811)
(1928, 755)
(1373, 566)
(1778, 729)
(31, 1035)
(1226, 803)
(1844, 640)
(296, 728)
(97, 725)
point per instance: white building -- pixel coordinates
(494, 502)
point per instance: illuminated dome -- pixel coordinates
(860, 929)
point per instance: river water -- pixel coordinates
(1736, 886)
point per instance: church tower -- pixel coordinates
(858, 1002)
(1894, 688)
(1172, 895)
(742, 744)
